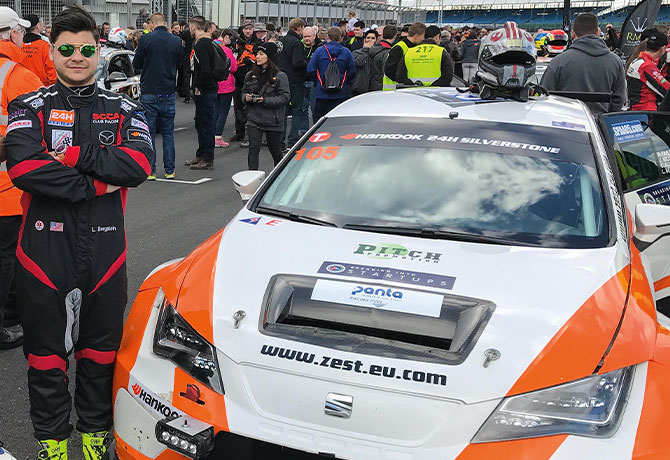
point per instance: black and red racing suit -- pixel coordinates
(71, 282)
(646, 84)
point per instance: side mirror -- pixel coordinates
(247, 182)
(651, 221)
(116, 77)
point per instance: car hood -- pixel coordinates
(533, 291)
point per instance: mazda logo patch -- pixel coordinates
(106, 137)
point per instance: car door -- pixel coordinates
(641, 147)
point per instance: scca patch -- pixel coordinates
(19, 124)
(139, 124)
(135, 135)
(61, 118)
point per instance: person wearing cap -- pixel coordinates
(37, 52)
(646, 84)
(265, 94)
(427, 64)
(260, 31)
(588, 66)
(15, 80)
(244, 50)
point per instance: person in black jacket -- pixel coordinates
(73, 149)
(356, 42)
(205, 91)
(291, 61)
(157, 56)
(244, 46)
(187, 40)
(432, 39)
(265, 93)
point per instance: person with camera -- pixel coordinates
(266, 95)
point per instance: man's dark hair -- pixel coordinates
(418, 28)
(270, 27)
(405, 28)
(198, 21)
(209, 24)
(182, 23)
(359, 24)
(389, 32)
(432, 31)
(342, 23)
(74, 19)
(106, 24)
(585, 24)
(372, 32)
(334, 34)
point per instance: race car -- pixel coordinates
(115, 72)
(425, 275)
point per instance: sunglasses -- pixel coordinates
(86, 50)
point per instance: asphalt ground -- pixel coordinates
(164, 220)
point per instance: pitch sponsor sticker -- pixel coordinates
(61, 118)
(378, 297)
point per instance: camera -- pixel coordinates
(255, 98)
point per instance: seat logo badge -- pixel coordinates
(491, 355)
(339, 405)
(238, 316)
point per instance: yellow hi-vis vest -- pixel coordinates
(424, 63)
(387, 83)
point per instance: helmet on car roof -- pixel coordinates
(558, 43)
(507, 57)
(117, 35)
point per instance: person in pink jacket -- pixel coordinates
(226, 88)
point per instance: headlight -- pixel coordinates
(587, 407)
(177, 341)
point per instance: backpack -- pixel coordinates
(332, 80)
(221, 70)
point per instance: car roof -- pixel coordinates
(550, 111)
(108, 51)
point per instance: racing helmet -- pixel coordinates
(117, 35)
(559, 42)
(507, 57)
(542, 39)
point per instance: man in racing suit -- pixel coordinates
(646, 84)
(73, 148)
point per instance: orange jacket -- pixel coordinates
(38, 59)
(19, 81)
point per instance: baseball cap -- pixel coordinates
(655, 39)
(259, 27)
(9, 18)
(248, 23)
(33, 19)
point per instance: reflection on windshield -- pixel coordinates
(460, 190)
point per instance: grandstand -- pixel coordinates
(531, 16)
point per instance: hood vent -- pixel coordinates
(291, 310)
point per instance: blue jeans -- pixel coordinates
(204, 123)
(221, 111)
(307, 104)
(160, 108)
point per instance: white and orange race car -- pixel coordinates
(425, 276)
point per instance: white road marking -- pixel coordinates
(195, 182)
(181, 129)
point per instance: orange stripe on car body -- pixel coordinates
(651, 441)
(636, 337)
(195, 303)
(661, 284)
(213, 411)
(519, 449)
(576, 349)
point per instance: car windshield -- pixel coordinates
(432, 178)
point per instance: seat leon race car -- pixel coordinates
(425, 275)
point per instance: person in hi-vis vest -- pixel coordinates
(427, 64)
(15, 80)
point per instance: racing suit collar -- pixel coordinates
(77, 97)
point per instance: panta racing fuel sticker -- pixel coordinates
(61, 118)
(19, 124)
(378, 297)
(388, 274)
(150, 401)
(61, 139)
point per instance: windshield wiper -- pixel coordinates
(437, 234)
(293, 216)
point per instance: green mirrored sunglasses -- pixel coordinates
(86, 50)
